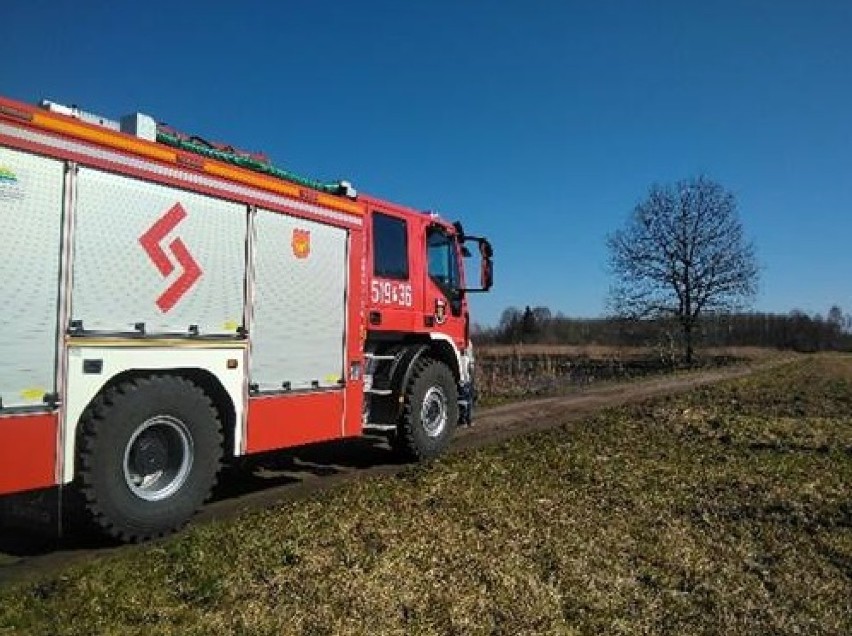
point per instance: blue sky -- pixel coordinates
(540, 124)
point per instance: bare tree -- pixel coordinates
(681, 253)
(509, 329)
(542, 314)
(835, 317)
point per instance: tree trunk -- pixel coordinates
(687, 340)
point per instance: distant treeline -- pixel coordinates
(797, 330)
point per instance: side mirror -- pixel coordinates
(486, 266)
(486, 274)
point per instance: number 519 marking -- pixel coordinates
(387, 293)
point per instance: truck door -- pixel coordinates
(443, 284)
(393, 305)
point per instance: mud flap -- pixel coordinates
(467, 401)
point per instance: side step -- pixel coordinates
(375, 427)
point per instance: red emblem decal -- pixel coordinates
(440, 311)
(301, 243)
(151, 242)
(308, 195)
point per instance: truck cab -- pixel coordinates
(418, 323)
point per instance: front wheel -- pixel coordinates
(431, 411)
(150, 449)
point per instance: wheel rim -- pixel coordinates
(158, 457)
(433, 413)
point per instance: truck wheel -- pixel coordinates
(150, 449)
(431, 411)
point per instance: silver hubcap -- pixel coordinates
(158, 457)
(433, 413)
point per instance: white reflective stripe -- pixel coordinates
(174, 173)
(468, 362)
(464, 370)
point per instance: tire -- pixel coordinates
(430, 413)
(150, 449)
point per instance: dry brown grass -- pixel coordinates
(506, 372)
(602, 352)
(589, 351)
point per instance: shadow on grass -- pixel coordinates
(35, 524)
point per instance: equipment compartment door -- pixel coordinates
(297, 336)
(31, 193)
(153, 254)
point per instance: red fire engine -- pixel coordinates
(169, 304)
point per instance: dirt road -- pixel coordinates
(264, 481)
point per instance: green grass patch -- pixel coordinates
(726, 510)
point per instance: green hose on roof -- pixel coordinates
(250, 164)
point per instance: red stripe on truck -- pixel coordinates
(27, 452)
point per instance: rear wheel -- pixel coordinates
(150, 449)
(431, 411)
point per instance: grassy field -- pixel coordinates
(723, 511)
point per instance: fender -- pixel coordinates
(402, 369)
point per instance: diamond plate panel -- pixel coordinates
(158, 255)
(299, 303)
(31, 190)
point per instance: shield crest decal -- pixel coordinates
(301, 243)
(440, 311)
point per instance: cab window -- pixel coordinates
(443, 266)
(390, 247)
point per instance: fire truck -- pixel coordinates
(170, 304)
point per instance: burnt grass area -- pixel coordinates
(506, 376)
(725, 510)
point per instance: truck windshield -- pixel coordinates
(443, 264)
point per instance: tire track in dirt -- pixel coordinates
(519, 418)
(265, 481)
